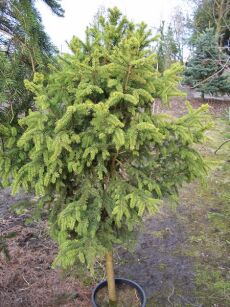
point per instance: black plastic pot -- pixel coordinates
(119, 281)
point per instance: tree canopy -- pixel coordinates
(205, 70)
(21, 30)
(212, 14)
(24, 49)
(93, 151)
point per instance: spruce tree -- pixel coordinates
(94, 152)
(205, 70)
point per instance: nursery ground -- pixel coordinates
(182, 256)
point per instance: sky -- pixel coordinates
(79, 13)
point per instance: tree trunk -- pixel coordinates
(110, 279)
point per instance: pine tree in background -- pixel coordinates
(206, 70)
(93, 151)
(24, 49)
(21, 29)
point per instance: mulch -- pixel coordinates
(27, 279)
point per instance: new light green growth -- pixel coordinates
(93, 150)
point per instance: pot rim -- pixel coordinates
(120, 280)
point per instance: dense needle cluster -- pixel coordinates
(93, 150)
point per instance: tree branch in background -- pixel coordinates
(213, 75)
(222, 145)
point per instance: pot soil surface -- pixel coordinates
(126, 296)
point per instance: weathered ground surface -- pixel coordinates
(182, 256)
(181, 259)
(7, 200)
(158, 263)
(26, 278)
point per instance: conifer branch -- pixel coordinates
(91, 148)
(125, 87)
(17, 39)
(222, 145)
(3, 146)
(213, 75)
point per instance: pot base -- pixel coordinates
(129, 293)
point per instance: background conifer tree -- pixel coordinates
(211, 13)
(24, 49)
(21, 30)
(205, 70)
(166, 48)
(93, 150)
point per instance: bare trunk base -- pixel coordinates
(110, 279)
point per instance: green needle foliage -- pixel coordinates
(93, 150)
(22, 32)
(205, 70)
(24, 49)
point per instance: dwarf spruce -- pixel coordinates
(93, 150)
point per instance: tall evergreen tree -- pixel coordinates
(211, 13)
(93, 151)
(24, 49)
(21, 29)
(167, 48)
(205, 70)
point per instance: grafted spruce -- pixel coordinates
(93, 150)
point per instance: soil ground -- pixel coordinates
(182, 254)
(26, 278)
